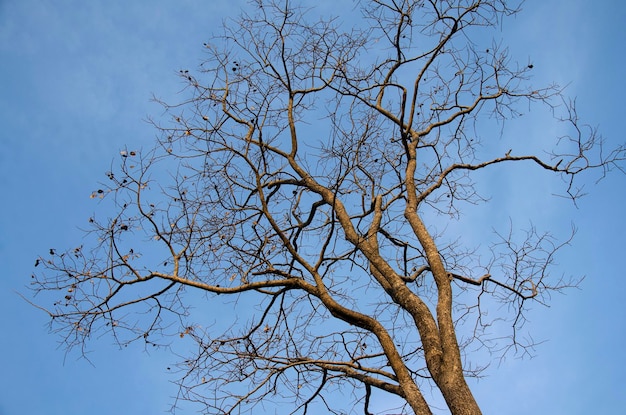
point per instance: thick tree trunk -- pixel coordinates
(458, 396)
(444, 361)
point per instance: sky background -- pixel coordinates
(76, 78)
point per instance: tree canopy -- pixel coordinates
(285, 220)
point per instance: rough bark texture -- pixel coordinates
(297, 187)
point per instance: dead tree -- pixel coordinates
(282, 220)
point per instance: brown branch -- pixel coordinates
(486, 277)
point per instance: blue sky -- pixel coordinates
(76, 80)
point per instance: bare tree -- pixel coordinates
(281, 222)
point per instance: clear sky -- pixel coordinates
(76, 78)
